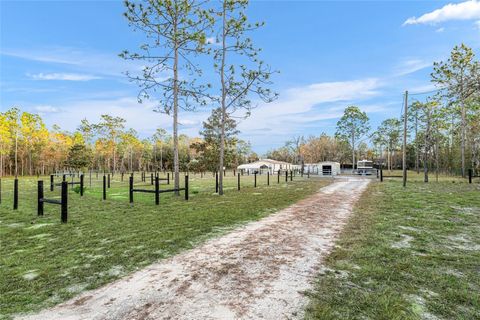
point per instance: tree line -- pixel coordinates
(28, 147)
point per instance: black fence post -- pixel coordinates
(286, 176)
(130, 188)
(121, 179)
(51, 182)
(168, 177)
(255, 179)
(381, 175)
(278, 177)
(151, 179)
(108, 181)
(15, 194)
(64, 211)
(81, 185)
(238, 181)
(308, 175)
(216, 182)
(291, 175)
(157, 190)
(104, 187)
(64, 178)
(268, 178)
(40, 198)
(470, 174)
(377, 173)
(186, 187)
(234, 174)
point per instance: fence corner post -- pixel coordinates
(130, 188)
(157, 190)
(15, 194)
(81, 185)
(40, 198)
(64, 202)
(186, 187)
(104, 187)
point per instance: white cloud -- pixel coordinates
(46, 109)
(410, 66)
(440, 29)
(423, 88)
(63, 76)
(78, 60)
(477, 24)
(187, 122)
(467, 10)
(302, 105)
(212, 41)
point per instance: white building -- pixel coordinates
(325, 168)
(266, 165)
(328, 168)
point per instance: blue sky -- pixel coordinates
(59, 59)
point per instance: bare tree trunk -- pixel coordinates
(463, 137)
(161, 157)
(353, 152)
(224, 93)
(131, 160)
(417, 156)
(16, 153)
(175, 116)
(114, 156)
(389, 159)
(1, 162)
(436, 159)
(30, 162)
(425, 153)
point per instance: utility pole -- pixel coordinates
(405, 141)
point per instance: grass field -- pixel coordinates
(409, 253)
(44, 262)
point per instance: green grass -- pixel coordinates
(409, 253)
(44, 262)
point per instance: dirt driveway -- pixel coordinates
(258, 271)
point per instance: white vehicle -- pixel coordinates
(364, 167)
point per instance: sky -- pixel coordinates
(60, 59)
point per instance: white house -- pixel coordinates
(264, 165)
